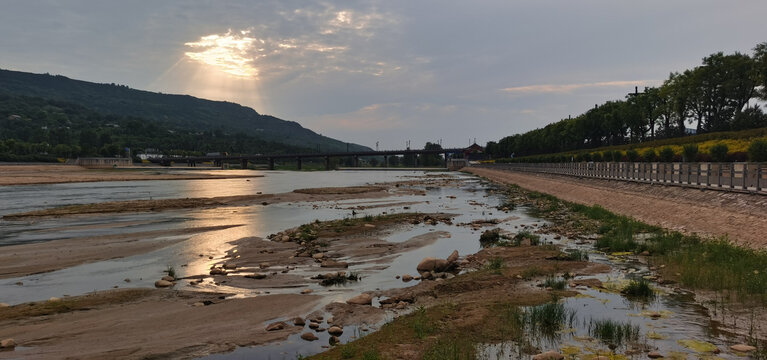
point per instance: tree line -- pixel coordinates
(718, 95)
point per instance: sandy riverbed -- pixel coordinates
(56, 174)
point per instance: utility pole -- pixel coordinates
(376, 145)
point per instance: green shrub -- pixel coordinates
(596, 156)
(666, 154)
(607, 156)
(758, 151)
(689, 152)
(650, 155)
(632, 155)
(639, 290)
(617, 156)
(586, 157)
(718, 152)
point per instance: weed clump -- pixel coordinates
(614, 332)
(546, 320)
(640, 289)
(554, 283)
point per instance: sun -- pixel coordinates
(228, 52)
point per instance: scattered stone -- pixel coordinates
(198, 304)
(298, 321)
(313, 325)
(426, 275)
(309, 336)
(361, 299)
(264, 265)
(19, 283)
(162, 283)
(168, 278)
(743, 348)
(230, 266)
(334, 340)
(453, 257)
(401, 305)
(126, 280)
(335, 330)
(370, 226)
(654, 355)
(306, 291)
(318, 256)
(217, 271)
(257, 276)
(285, 238)
(276, 326)
(549, 355)
(407, 277)
(54, 299)
(7, 344)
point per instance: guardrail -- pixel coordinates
(748, 177)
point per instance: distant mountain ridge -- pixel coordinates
(181, 111)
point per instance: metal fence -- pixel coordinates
(749, 177)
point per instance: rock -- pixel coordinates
(407, 277)
(298, 321)
(198, 304)
(743, 348)
(427, 264)
(285, 238)
(276, 326)
(334, 340)
(318, 256)
(230, 266)
(54, 299)
(549, 355)
(217, 271)
(264, 265)
(7, 344)
(335, 330)
(2, 305)
(309, 336)
(126, 280)
(426, 275)
(361, 299)
(162, 283)
(168, 278)
(257, 276)
(306, 291)
(334, 264)
(370, 226)
(453, 257)
(313, 325)
(654, 355)
(401, 305)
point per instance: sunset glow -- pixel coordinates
(228, 52)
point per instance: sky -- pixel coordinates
(382, 72)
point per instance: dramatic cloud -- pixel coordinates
(229, 52)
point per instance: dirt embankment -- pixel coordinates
(738, 216)
(57, 174)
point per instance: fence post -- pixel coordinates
(745, 174)
(758, 177)
(732, 176)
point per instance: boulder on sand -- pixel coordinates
(361, 299)
(407, 277)
(309, 336)
(298, 321)
(7, 344)
(743, 348)
(453, 257)
(276, 326)
(162, 283)
(335, 330)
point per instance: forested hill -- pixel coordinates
(172, 111)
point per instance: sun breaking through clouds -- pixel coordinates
(229, 52)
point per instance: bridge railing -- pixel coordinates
(747, 177)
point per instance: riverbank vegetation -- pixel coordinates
(717, 96)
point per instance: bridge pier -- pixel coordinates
(386, 161)
(298, 163)
(356, 161)
(327, 162)
(244, 164)
(271, 163)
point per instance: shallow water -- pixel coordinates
(471, 202)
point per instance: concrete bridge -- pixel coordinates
(269, 159)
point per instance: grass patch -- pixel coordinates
(716, 264)
(532, 272)
(526, 235)
(639, 289)
(69, 304)
(495, 265)
(451, 348)
(171, 271)
(554, 283)
(422, 325)
(545, 321)
(490, 237)
(614, 332)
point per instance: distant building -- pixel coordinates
(474, 152)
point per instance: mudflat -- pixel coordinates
(57, 173)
